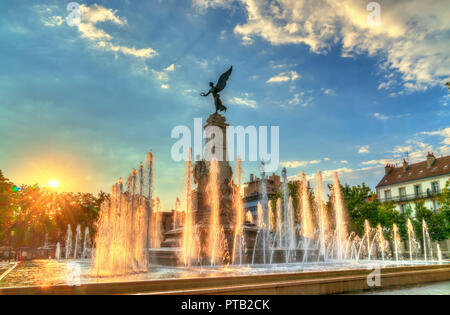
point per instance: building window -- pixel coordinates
(402, 192)
(435, 206)
(417, 190)
(403, 208)
(387, 194)
(435, 187)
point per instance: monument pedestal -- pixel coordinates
(216, 131)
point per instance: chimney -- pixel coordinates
(430, 159)
(405, 166)
(388, 169)
(252, 178)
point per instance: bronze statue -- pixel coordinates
(218, 88)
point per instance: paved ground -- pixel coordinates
(438, 288)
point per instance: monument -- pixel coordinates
(216, 135)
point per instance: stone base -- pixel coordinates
(321, 282)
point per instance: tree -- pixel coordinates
(361, 205)
(30, 214)
(7, 197)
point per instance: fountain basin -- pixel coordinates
(331, 279)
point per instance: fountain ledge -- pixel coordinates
(321, 282)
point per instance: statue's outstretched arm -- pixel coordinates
(205, 94)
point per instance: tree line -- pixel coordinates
(361, 204)
(30, 215)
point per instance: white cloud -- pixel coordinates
(418, 147)
(413, 37)
(379, 162)
(284, 77)
(202, 5)
(95, 14)
(132, 51)
(53, 21)
(380, 116)
(280, 66)
(385, 117)
(296, 164)
(328, 91)
(301, 99)
(402, 149)
(443, 133)
(445, 100)
(326, 159)
(170, 68)
(344, 162)
(243, 101)
(163, 76)
(364, 149)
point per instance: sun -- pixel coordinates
(53, 183)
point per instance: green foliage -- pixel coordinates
(362, 204)
(30, 213)
(444, 209)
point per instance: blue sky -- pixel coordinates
(84, 104)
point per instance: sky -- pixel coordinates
(83, 104)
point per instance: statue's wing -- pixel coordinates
(223, 80)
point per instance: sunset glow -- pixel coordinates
(53, 183)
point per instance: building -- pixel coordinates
(408, 183)
(252, 191)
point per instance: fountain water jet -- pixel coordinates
(86, 244)
(411, 237)
(121, 243)
(77, 242)
(214, 199)
(188, 230)
(307, 228)
(239, 216)
(323, 220)
(427, 246)
(381, 240)
(68, 241)
(367, 230)
(396, 238)
(58, 251)
(341, 225)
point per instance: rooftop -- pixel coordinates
(396, 175)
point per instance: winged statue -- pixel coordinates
(214, 90)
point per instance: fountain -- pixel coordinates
(124, 225)
(77, 242)
(86, 244)
(239, 232)
(68, 242)
(323, 220)
(411, 238)
(397, 241)
(216, 237)
(188, 231)
(58, 251)
(427, 246)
